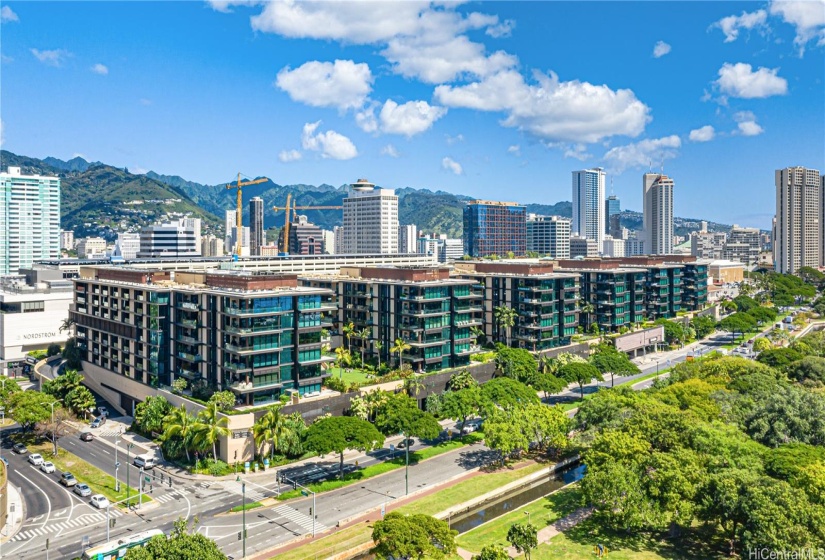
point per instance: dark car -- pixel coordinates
(20, 448)
(405, 442)
(87, 436)
(98, 422)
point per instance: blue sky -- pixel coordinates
(493, 100)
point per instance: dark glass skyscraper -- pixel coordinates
(495, 228)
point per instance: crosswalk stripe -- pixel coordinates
(300, 519)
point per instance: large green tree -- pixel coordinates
(492, 552)
(415, 536)
(737, 323)
(460, 405)
(269, 428)
(80, 400)
(30, 407)
(506, 392)
(581, 374)
(610, 361)
(516, 363)
(180, 545)
(400, 415)
(504, 431)
(339, 433)
(523, 537)
(779, 357)
(179, 425)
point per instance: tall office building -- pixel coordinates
(230, 222)
(257, 234)
(128, 245)
(657, 194)
(588, 204)
(495, 228)
(408, 239)
(305, 238)
(370, 220)
(29, 219)
(798, 232)
(174, 239)
(612, 208)
(549, 235)
(742, 245)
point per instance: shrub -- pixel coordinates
(483, 357)
(53, 350)
(179, 385)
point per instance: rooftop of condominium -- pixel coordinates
(219, 281)
(514, 267)
(391, 274)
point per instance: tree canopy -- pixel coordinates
(30, 407)
(400, 415)
(517, 363)
(339, 433)
(415, 536)
(506, 392)
(580, 374)
(608, 360)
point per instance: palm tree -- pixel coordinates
(179, 423)
(348, 330)
(67, 325)
(342, 358)
(270, 428)
(413, 386)
(209, 427)
(399, 348)
(505, 319)
(364, 334)
(586, 309)
(378, 345)
(477, 334)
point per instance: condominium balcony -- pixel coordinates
(243, 387)
(468, 308)
(261, 329)
(247, 311)
(468, 323)
(426, 343)
(188, 374)
(236, 367)
(188, 339)
(471, 295)
(424, 312)
(189, 306)
(188, 323)
(422, 297)
(194, 358)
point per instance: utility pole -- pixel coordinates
(117, 464)
(140, 488)
(54, 445)
(243, 509)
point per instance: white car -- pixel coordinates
(36, 459)
(47, 467)
(99, 501)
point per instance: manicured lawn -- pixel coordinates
(98, 481)
(578, 542)
(543, 512)
(331, 545)
(463, 491)
(354, 375)
(387, 466)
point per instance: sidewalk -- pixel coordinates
(16, 513)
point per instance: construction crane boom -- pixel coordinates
(239, 216)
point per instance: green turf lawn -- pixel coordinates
(354, 375)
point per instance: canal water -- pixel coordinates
(466, 520)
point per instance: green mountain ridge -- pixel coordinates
(105, 213)
(100, 200)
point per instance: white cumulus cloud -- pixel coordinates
(450, 164)
(515, 149)
(550, 109)
(642, 153)
(660, 49)
(409, 119)
(343, 83)
(746, 124)
(390, 150)
(54, 57)
(704, 134)
(287, 156)
(330, 143)
(807, 16)
(739, 80)
(100, 69)
(7, 15)
(731, 25)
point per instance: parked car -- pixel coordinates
(98, 422)
(99, 501)
(47, 467)
(468, 429)
(103, 411)
(36, 459)
(82, 490)
(67, 479)
(87, 436)
(20, 449)
(405, 442)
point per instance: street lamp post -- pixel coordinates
(117, 463)
(527, 513)
(128, 462)
(243, 509)
(54, 445)
(140, 488)
(406, 465)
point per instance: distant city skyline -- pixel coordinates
(453, 98)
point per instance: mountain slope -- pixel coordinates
(103, 200)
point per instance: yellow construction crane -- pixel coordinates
(285, 247)
(239, 217)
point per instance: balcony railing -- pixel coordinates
(194, 358)
(189, 306)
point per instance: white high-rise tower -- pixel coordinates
(29, 219)
(798, 230)
(657, 194)
(588, 204)
(370, 220)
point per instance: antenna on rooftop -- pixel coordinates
(611, 186)
(663, 165)
(649, 166)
